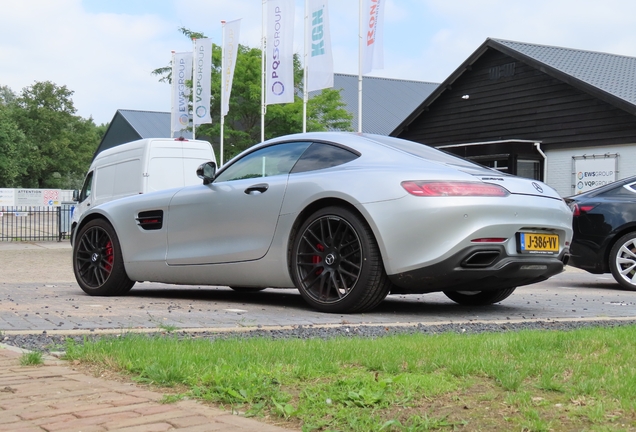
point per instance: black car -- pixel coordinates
(604, 226)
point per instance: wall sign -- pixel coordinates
(592, 171)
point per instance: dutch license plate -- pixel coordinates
(538, 243)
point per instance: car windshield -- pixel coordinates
(425, 152)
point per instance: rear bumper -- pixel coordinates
(480, 268)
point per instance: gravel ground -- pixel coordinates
(46, 343)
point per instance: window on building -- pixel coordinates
(529, 169)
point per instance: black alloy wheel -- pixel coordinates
(623, 261)
(479, 298)
(97, 261)
(336, 262)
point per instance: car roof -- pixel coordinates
(605, 188)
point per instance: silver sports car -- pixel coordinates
(345, 218)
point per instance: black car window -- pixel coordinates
(321, 156)
(625, 191)
(265, 162)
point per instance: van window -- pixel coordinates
(117, 180)
(86, 188)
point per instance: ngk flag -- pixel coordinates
(230, 53)
(201, 84)
(181, 71)
(372, 35)
(320, 57)
(279, 47)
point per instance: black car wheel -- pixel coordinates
(336, 262)
(479, 298)
(97, 261)
(623, 261)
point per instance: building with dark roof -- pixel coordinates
(564, 116)
(386, 102)
(131, 125)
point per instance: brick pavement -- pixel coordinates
(56, 398)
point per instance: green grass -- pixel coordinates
(526, 381)
(32, 358)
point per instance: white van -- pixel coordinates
(139, 167)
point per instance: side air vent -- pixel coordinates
(150, 220)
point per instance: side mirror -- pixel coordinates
(207, 171)
(75, 195)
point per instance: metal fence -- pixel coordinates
(35, 223)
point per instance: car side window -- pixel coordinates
(86, 188)
(625, 191)
(321, 156)
(269, 161)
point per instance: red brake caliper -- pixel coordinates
(109, 256)
(317, 259)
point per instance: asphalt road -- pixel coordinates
(43, 303)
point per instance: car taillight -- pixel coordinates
(578, 209)
(451, 188)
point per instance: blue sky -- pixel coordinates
(104, 50)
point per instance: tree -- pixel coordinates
(325, 111)
(55, 145)
(13, 149)
(6, 95)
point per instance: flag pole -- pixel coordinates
(263, 45)
(194, 65)
(172, 101)
(222, 90)
(305, 73)
(360, 48)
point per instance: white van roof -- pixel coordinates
(183, 143)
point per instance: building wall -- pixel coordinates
(560, 164)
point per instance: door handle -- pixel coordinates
(257, 188)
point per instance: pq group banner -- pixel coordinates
(280, 52)
(593, 172)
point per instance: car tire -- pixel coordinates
(622, 261)
(479, 298)
(97, 261)
(336, 263)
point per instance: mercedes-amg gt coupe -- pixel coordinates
(345, 218)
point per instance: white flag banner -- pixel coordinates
(279, 47)
(372, 35)
(201, 85)
(320, 56)
(181, 72)
(230, 53)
